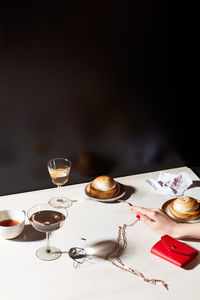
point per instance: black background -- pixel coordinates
(109, 85)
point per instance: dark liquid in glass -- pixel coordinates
(9, 222)
(47, 220)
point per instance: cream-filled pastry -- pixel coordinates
(102, 187)
(185, 208)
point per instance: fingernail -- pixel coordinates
(138, 217)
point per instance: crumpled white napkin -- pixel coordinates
(170, 184)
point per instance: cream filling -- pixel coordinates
(102, 186)
(180, 208)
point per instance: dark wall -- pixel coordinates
(92, 81)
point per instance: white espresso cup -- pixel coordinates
(11, 223)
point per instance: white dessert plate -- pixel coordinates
(165, 208)
(120, 193)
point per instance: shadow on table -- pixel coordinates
(103, 249)
(195, 183)
(127, 191)
(29, 234)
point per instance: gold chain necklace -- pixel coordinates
(117, 251)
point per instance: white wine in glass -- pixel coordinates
(59, 169)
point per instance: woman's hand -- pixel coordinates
(157, 220)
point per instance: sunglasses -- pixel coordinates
(78, 255)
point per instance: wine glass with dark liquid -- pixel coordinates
(45, 218)
(59, 169)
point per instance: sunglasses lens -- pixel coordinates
(78, 255)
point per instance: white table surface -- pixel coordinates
(23, 276)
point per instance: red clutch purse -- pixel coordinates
(174, 251)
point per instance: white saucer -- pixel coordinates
(121, 192)
(165, 208)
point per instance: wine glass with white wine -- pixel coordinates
(59, 169)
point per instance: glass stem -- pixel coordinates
(59, 195)
(47, 240)
(59, 186)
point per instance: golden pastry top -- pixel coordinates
(104, 183)
(185, 204)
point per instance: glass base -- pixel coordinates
(51, 254)
(60, 202)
